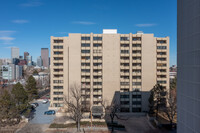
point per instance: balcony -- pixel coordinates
(124, 99)
(97, 92)
(97, 67)
(97, 80)
(124, 54)
(85, 48)
(85, 61)
(137, 42)
(97, 86)
(85, 73)
(137, 61)
(85, 54)
(97, 74)
(85, 67)
(124, 67)
(136, 80)
(97, 61)
(85, 80)
(136, 67)
(124, 80)
(124, 73)
(136, 99)
(124, 61)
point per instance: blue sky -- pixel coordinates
(28, 24)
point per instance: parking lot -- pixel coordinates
(38, 116)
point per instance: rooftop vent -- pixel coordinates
(109, 31)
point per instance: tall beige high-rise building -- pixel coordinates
(109, 66)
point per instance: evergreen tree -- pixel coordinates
(31, 88)
(9, 114)
(20, 96)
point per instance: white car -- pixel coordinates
(33, 105)
(45, 101)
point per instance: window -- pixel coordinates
(85, 70)
(97, 83)
(136, 96)
(58, 75)
(161, 64)
(57, 93)
(58, 81)
(124, 102)
(85, 38)
(124, 77)
(97, 58)
(124, 38)
(125, 51)
(85, 58)
(57, 87)
(161, 53)
(137, 70)
(161, 82)
(136, 83)
(124, 64)
(57, 105)
(161, 76)
(136, 77)
(97, 38)
(85, 64)
(124, 83)
(161, 41)
(136, 102)
(124, 96)
(58, 58)
(136, 38)
(97, 64)
(136, 64)
(58, 47)
(58, 64)
(85, 45)
(161, 59)
(136, 45)
(136, 58)
(125, 45)
(136, 51)
(97, 45)
(124, 58)
(58, 41)
(161, 47)
(85, 51)
(161, 70)
(58, 52)
(58, 98)
(58, 70)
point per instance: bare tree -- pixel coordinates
(74, 104)
(170, 109)
(111, 110)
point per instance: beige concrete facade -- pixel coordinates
(109, 66)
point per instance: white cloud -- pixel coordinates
(20, 21)
(6, 37)
(31, 4)
(84, 22)
(145, 25)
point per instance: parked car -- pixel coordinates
(33, 105)
(50, 112)
(45, 101)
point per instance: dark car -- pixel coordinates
(50, 112)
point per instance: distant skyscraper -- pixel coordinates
(39, 61)
(45, 57)
(29, 60)
(25, 55)
(14, 52)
